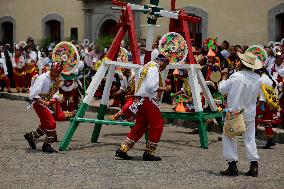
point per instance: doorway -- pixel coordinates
(7, 32)
(53, 30)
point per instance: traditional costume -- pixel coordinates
(68, 90)
(4, 74)
(278, 74)
(31, 70)
(266, 108)
(242, 89)
(148, 117)
(127, 88)
(41, 95)
(18, 63)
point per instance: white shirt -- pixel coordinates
(46, 62)
(264, 79)
(20, 64)
(154, 54)
(41, 85)
(150, 84)
(33, 55)
(277, 69)
(142, 57)
(269, 64)
(242, 89)
(124, 83)
(3, 66)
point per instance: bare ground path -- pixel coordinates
(88, 165)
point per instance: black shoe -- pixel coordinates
(253, 170)
(55, 138)
(29, 137)
(148, 157)
(122, 155)
(269, 144)
(232, 169)
(48, 148)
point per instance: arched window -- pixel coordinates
(53, 30)
(53, 27)
(108, 28)
(198, 31)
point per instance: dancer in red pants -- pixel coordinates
(148, 118)
(18, 63)
(4, 74)
(41, 95)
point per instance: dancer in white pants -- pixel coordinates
(242, 90)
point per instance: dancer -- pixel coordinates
(242, 90)
(41, 94)
(127, 88)
(265, 107)
(18, 62)
(148, 118)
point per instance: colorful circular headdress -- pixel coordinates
(68, 54)
(173, 46)
(259, 52)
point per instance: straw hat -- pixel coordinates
(250, 60)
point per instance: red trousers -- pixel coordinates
(29, 77)
(19, 78)
(7, 81)
(58, 115)
(148, 118)
(125, 109)
(281, 103)
(47, 121)
(68, 102)
(267, 115)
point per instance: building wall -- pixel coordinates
(243, 22)
(28, 15)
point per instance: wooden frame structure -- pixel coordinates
(126, 24)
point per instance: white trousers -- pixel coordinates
(230, 151)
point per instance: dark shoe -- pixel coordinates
(148, 157)
(55, 138)
(269, 144)
(232, 169)
(48, 148)
(122, 155)
(29, 137)
(253, 170)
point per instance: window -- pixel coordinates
(196, 33)
(53, 30)
(74, 33)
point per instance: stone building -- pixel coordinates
(243, 22)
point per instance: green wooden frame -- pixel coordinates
(200, 117)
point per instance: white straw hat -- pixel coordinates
(250, 60)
